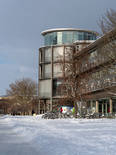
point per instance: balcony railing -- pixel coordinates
(91, 65)
(99, 85)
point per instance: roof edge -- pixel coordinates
(66, 29)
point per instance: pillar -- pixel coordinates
(111, 106)
(39, 107)
(44, 106)
(51, 105)
(91, 105)
(102, 108)
(106, 108)
(97, 107)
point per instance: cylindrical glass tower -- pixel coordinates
(56, 43)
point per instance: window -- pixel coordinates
(41, 56)
(47, 70)
(67, 37)
(48, 52)
(45, 88)
(56, 87)
(57, 71)
(75, 36)
(50, 39)
(58, 53)
(68, 50)
(81, 35)
(59, 38)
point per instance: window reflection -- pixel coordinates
(67, 37)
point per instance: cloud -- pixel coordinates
(16, 64)
(20, 30)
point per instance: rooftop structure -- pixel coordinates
(67, 36)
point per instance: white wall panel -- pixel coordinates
(45, 88)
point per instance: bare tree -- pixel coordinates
(108, 21)
(23, 92)
(72, 86)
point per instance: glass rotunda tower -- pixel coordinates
(56, 43)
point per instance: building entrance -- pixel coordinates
(104, 107)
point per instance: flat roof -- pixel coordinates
(66, 29)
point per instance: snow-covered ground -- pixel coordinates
(31, 135)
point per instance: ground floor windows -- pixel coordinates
(102, 106)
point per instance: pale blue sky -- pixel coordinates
(21, 22)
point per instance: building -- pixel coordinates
(56, 44)
(98, 61)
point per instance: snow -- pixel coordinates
(32, 135)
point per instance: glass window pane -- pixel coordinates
(47, 72)
(58, 53)
(45, 88)
(75, 36)
(59, 38)
(54, 38)
(81, 35)
(67, 37)
(57, 87)
(50, 39)
(57, 71)
(68, 50)
(48, 52)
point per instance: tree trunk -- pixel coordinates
(76, 109)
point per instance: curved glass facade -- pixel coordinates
(67, 37)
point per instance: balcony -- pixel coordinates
(96, 85)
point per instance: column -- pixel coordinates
(97, 107)
(44, 106)
(102, 108)
(51, 105)
(91, 105)
(111, 106)
(106, 108)
(39, 107)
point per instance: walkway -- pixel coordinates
(13, 144)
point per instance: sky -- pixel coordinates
(21, 23)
